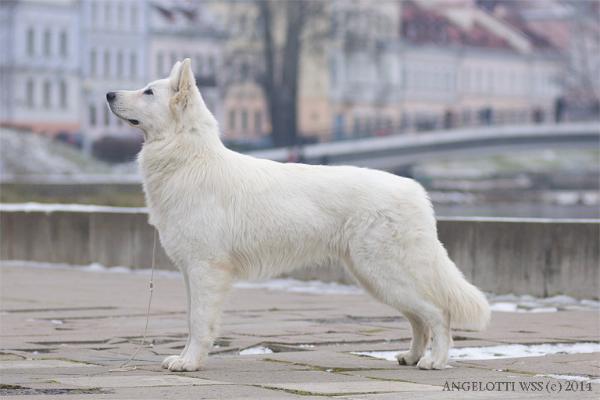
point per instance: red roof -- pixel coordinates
(421, 25)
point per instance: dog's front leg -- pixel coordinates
(207, 287)
(186, 281)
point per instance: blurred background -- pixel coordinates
(493, 105)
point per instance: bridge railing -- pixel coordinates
(457, 137)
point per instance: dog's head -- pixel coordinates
(162, 107)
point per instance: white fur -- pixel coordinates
(222, 216)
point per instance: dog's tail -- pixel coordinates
(466, 304)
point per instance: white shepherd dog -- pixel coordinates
(222, 216)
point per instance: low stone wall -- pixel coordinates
(521, 256)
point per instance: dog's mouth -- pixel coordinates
(133, 121)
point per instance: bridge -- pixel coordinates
(399, 151)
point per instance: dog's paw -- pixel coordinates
(427, 362)
(168, 360)
(181, 363)
(407, 358)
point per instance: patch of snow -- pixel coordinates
(56, 321)
(504, 307)
(502, 351)
(255, 350)
(527, 303)
(590, 303)
(83, 208)
(25, 153)
(34, 158)
(95, 267)
(520, 350)
(560, 299)
(543, 310)
(575, 378)
(298, 286)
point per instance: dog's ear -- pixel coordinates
(186, 76)
(174, 75)
(185, 89)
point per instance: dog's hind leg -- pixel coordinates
(420, 340)
(208, 286)
(439, 322)
(396, 268)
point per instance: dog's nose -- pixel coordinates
(110, 96)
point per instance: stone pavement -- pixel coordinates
(63, 330)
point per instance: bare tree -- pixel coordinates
(282, 58)
(270, 39)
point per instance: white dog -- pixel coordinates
(222, 215)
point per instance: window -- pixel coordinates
(466, 117)
(30, 93)
(30, 42)
(258, 122)
(478, 84)
(63, 94)
(106, 117)
(92, 114)
(466, 83)
(133, 65)
(47, 43)
(106, 63)
(120, 15)
(368, 125)
(93, 62)
(107, 16)
(244, 120)
(47, 95)
(232, 120)
(160, 61)
(119, 64)
(94, 14)
(64, 44)
(356, 128)
(134, 17)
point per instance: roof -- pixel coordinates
(463, 23)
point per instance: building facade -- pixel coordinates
(59, 58)
(187, 31)
(433, 67)
(378, 67)
(114, 53)
(39, 65)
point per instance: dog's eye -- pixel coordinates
(149, 92)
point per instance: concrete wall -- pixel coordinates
(537, 257)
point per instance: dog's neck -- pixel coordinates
(194, 148)
(194, 141)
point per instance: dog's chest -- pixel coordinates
(189, 226)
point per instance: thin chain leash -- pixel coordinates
(125, 366)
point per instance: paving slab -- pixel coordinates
(37, 364)
(135, 381)
(356, 387)
(62, 332)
